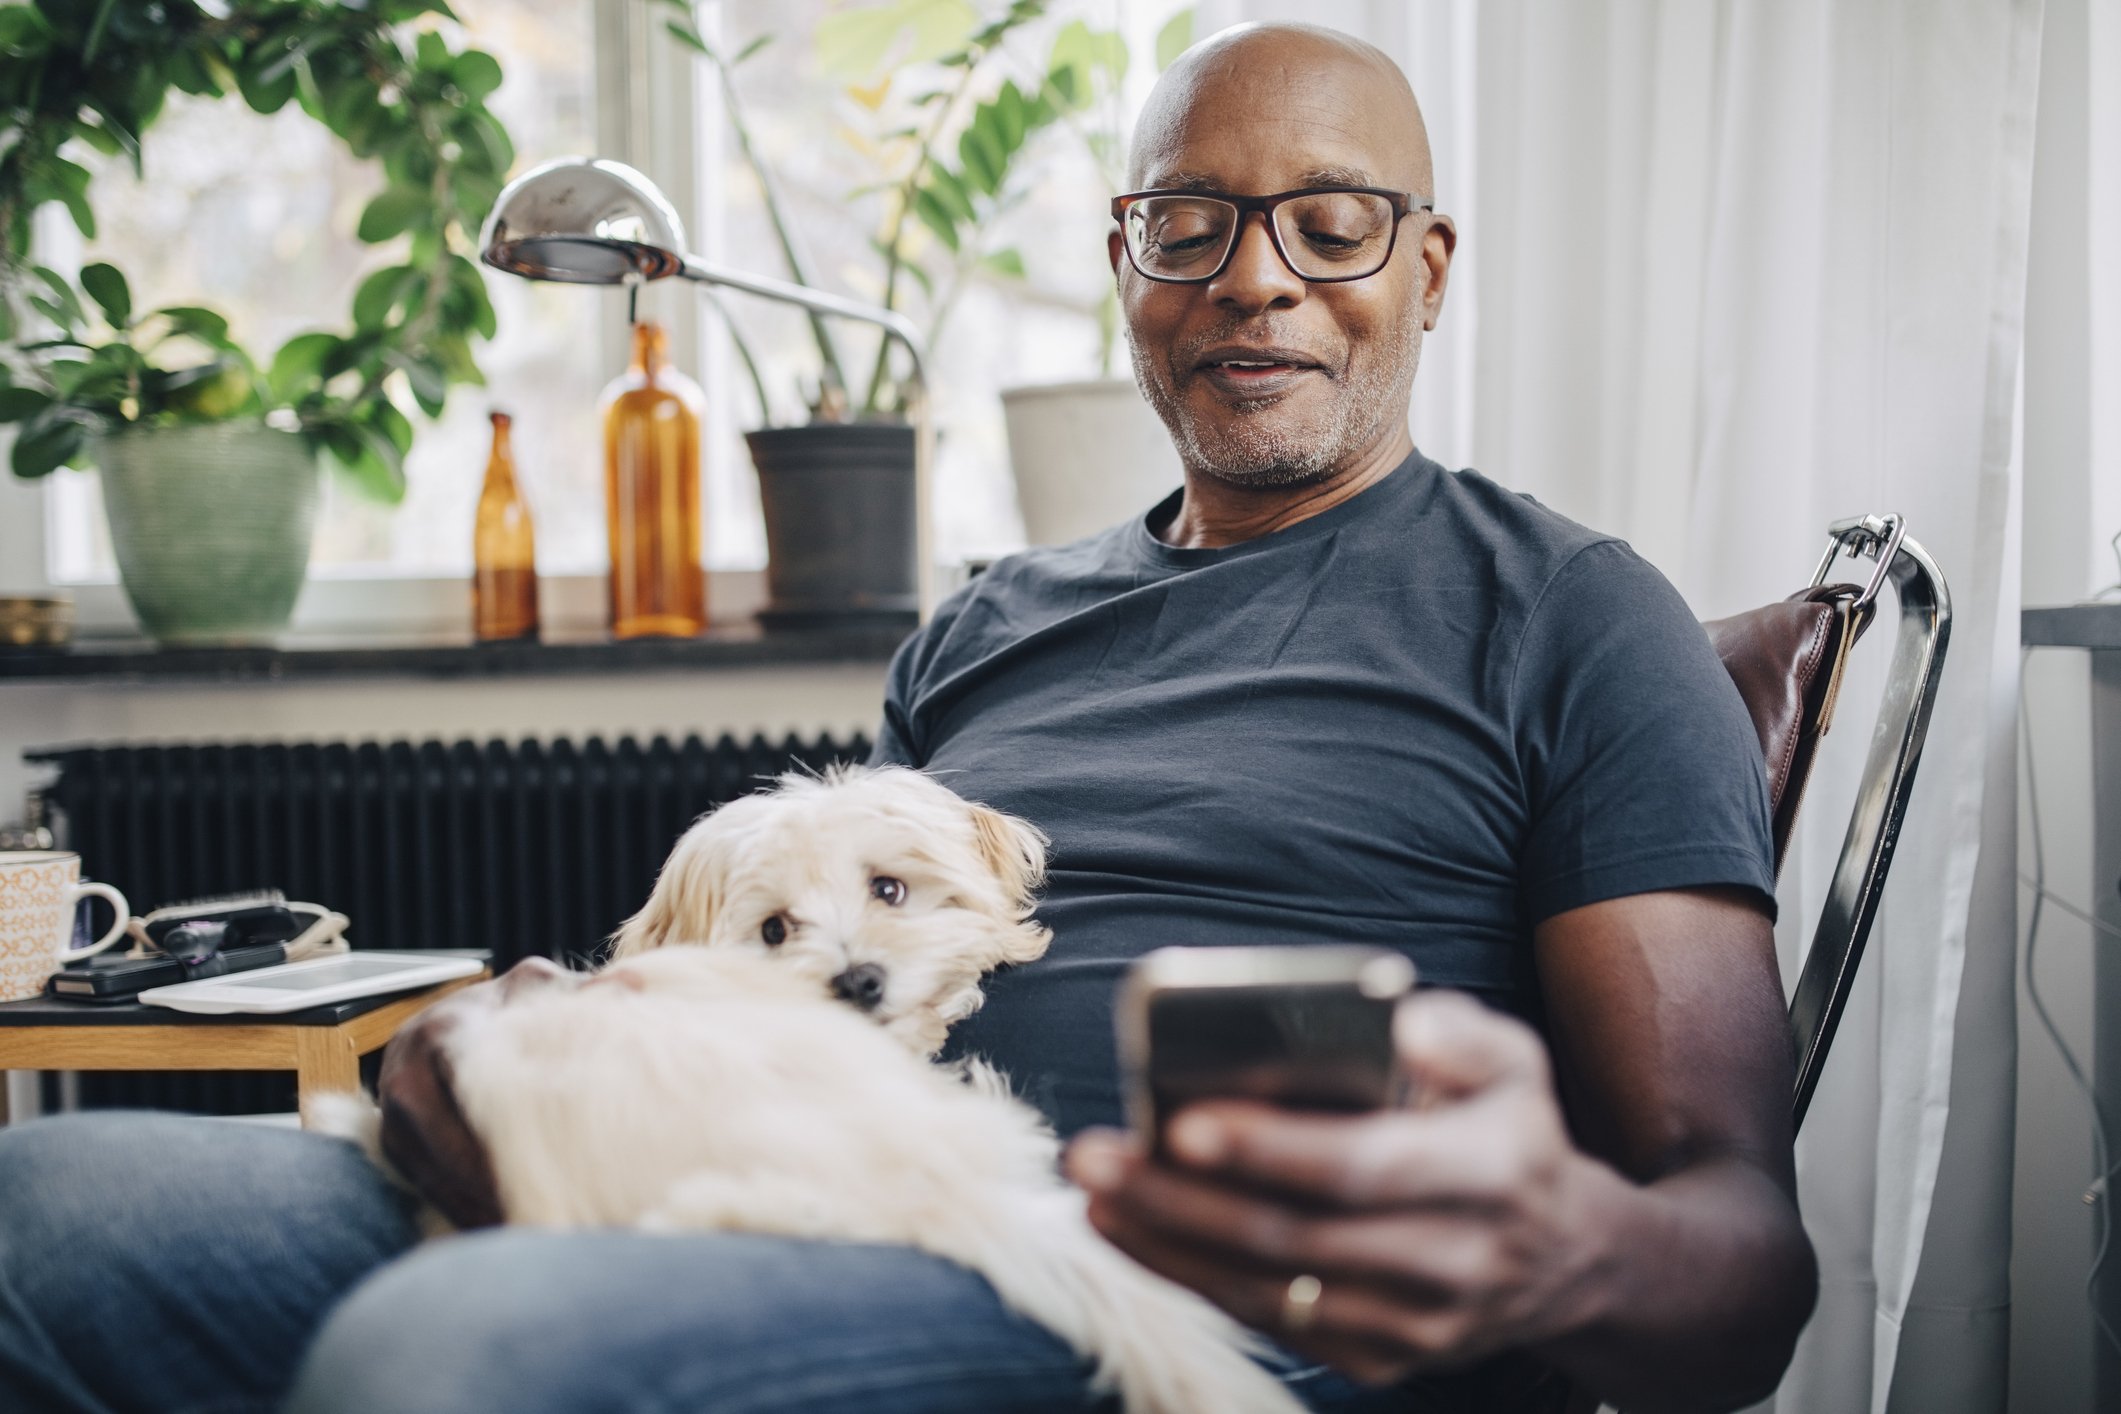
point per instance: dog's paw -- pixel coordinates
(347, 1114)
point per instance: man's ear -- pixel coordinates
(1014, 849)
(1438, 243)
(1115, 250)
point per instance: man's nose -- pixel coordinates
(1257, 278)
(861, 985)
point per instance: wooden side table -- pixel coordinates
(323, 1046)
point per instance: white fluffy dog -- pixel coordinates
(775, 1077)
(879, 885)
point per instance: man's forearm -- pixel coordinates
(1701, 1283)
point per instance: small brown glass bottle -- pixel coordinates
(504, 574)
(652, 495)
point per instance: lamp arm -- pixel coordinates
(895, 326)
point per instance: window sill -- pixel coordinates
(308, 658)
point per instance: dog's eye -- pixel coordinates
(774, 930)
(890, 890)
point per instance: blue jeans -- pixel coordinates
(156, 1262)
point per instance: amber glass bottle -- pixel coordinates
(652, 495)
(504, 573)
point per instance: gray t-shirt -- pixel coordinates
(1428, 719)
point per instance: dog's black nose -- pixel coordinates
(862, 985)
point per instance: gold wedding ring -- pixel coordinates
(1299, 1303)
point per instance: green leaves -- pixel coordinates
(47, 443)
(466, 303)
(394, 87)
(392, 214)
(476, 74)
(1082, 58)
(24, 34)
(979, 148)
(368, 453)
(266, 79)
(56, 179)
(857, 44)
(18, 404)
(929, 208)
(204, 325)
(298, 368)
(1174, 39)
(383, 292)
(486, 146)
(108, 289)
(954, 202)
(688, 36)
(429, 383)
(64, 307)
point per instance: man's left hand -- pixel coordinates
(1436, 1234)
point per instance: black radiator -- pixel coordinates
(531, 847)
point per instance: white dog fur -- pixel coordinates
(729, 1085)
(809, 853)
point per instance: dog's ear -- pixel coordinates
(1015, 850)
(650, 928)
(1025, 942)
(681, 907)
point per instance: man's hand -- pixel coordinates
(1657, 1261)
(425, 1135)
(1437, 1234)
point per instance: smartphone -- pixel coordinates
(1309, 1027)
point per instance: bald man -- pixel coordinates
(1327, 692)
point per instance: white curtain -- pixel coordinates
(1736, 270)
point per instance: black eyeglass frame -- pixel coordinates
(1404, 204)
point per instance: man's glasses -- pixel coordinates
(1323, 234)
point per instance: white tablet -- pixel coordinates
(296, 986)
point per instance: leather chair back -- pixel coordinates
(1787, 662)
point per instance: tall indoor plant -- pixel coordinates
(837, 489)
(209, 455)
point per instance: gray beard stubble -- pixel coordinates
(1252, 450)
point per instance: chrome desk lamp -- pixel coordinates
(586, 221)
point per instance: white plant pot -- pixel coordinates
(1086, 456)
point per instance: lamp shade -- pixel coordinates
(586, 221)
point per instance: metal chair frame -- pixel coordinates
(1924, 632)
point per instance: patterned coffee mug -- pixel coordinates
(38, 891)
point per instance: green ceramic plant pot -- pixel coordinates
(211, 523)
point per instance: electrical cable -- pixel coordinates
(2096, 1193)
(2067, 907)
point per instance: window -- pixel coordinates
(254, 216)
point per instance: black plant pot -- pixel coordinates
(840, 524)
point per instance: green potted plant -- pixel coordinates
(209, 456)
(837, 489)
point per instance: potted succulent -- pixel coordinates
(209, 456)
(837, 488)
